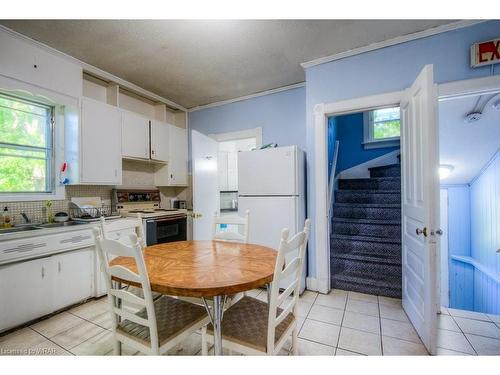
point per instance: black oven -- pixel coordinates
(166, 229)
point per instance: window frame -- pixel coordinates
(369, 141)
(59, 104)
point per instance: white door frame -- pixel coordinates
(321, 114)
(322, 111)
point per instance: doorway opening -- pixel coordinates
(229, 144)
(365, 213)
(469, 137)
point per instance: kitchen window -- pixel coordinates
(382, 127)
(26, 147)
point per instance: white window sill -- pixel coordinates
(393, 142)
(25, 197)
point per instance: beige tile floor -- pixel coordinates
(340, 323)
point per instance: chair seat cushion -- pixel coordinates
(246, 323)
(173, 316)
(139, 293)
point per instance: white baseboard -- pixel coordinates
(361, 170)
(311, 284)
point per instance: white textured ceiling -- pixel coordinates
(467, 146)
(198, 62)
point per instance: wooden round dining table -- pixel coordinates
(206, 269)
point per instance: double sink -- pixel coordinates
(29, 227)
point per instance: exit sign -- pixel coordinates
(485, 53)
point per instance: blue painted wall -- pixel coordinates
(389, 69)
(485, 235)
(474, 231)
(349, 132)
(460, 274)
(281, 116)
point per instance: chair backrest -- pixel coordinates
(110, 226)
(107, 249)
(289, 264)
(242, 223)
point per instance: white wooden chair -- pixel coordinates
(116, 230)
(253, 327)
(111, 229)
(240, 222)
(153, 327)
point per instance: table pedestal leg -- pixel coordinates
(217, 323)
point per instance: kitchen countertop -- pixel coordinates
(48, 231)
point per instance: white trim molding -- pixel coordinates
(321, 113)
(92, 70)
(391, 42)
(468, 87)
(251, 96)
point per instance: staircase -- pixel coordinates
(366, 233)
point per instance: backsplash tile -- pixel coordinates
(37, 212)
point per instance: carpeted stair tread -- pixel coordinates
(368, 196)
(366, 238)
(356, 282)
(376, 183)
(369, 205)
(366, 221)
(369, 258)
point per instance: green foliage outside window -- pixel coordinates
(386, 123)
(25, 146)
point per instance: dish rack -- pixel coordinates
(89, 213)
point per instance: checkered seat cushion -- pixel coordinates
(173, 316)
(246, 323)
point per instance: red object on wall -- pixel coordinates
(485, 53)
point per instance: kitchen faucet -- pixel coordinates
(26, 218)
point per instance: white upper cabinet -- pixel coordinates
(101, 146)
(174, 173)
(135, 136)
(177, 161)
(28, 63)
(160, 132)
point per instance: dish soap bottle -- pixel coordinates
(6, 218)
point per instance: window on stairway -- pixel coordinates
(26, 152)
(382, 127)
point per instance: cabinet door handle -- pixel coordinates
(59, 267)
(43, 272)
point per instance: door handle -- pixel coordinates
(197, 215)
(438, 232)
(421, 231)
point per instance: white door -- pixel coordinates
(268, 172)
(135, 136)
(160, 134)
(420, 205)
(205, 184)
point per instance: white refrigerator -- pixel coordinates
(271, 184)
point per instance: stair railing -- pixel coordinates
(332, 180)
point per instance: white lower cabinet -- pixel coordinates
(25, 291)
(72, 279)
(34, 288)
